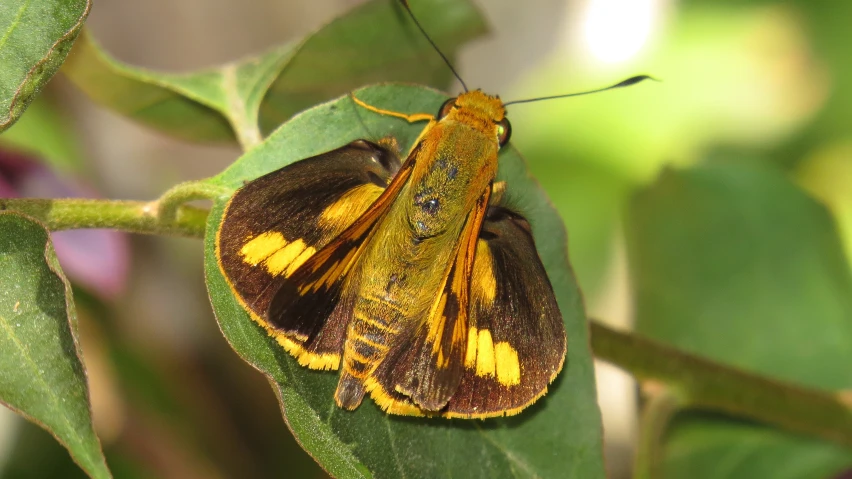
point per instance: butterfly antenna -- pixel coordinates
(630, 81)
(431, 42)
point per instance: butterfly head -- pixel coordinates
(481, 109)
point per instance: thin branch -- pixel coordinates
(170, 201)
(132, 216)
(661, 405)
(705, 385)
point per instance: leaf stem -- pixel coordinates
(243, 122)
(132, 216)
(705, 385)
(661, 405)
(170, 201)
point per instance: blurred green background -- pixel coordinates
(712, 209)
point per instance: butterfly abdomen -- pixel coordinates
(369, 334)
(373, 326)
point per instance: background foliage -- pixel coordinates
(712, 210)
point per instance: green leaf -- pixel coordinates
(560, 436)
(41, 375)
(197, 106)
(590, 200)
(223, 103)
(728, 449)
(35, 36)
(734, 262)
(36, 454)
(827, 30)
(827, 174)
(376, 42)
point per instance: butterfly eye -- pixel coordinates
(504, 131)
(446, 108)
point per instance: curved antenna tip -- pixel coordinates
(634, 80)
(630, 81)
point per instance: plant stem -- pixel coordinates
(661, 404)
(706, 385)
(243, 121)
(131, 216)
(170, 201)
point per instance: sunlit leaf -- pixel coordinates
(827, 174)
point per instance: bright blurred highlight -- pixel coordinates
(616, 30)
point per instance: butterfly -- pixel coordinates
(409, 275)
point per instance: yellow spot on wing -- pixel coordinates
(261, 246)
(483, 283)
(349, 206)
(276, 253)
(307, 253)
(470, 354)
(280, 261)
(491, 359)
(508, 366)
(484, 354)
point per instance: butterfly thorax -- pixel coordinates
(454, 167)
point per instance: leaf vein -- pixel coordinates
(37, 374)
(14, 23)
(393, 449)
(247, 130)
(522, 465)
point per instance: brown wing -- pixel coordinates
(283, 229)
(516, 338)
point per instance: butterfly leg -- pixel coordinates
(497, 190)
(413, 118)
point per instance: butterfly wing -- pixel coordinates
(516, 340)
(282, 230)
